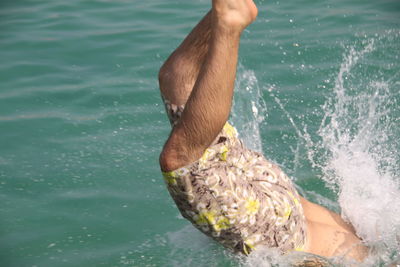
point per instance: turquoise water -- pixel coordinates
(82, 124)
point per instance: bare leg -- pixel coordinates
(209, 104)
(329, 235)
(206, 61)
(179, 73)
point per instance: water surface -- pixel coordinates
(82, 124)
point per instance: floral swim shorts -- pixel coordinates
(236, 196)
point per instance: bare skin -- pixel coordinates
(201, 73)
(328, 235)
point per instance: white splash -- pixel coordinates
(249, 108)
(355, 148)
(357, 133)
(266, 257)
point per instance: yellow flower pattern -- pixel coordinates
(252, 205)
(170, 178)
(211, 218)
(236, 196)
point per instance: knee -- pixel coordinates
(166, 160)
(168, 80)
(174, 71)
(170, 160)
(170, 71)
(172, 156)
(163, 75)
(177, 153)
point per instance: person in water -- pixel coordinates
(227, 191)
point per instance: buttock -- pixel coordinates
(239, 198)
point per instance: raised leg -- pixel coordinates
(209, 103)
(179, 73)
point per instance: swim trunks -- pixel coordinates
(236, 196)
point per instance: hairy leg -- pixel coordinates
(179, 73)
(209, 103)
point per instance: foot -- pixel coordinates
(234, 14)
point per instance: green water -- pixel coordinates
(81, 121)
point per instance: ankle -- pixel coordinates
(234, 16)
(225, 24)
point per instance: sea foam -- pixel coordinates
(355, 150)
